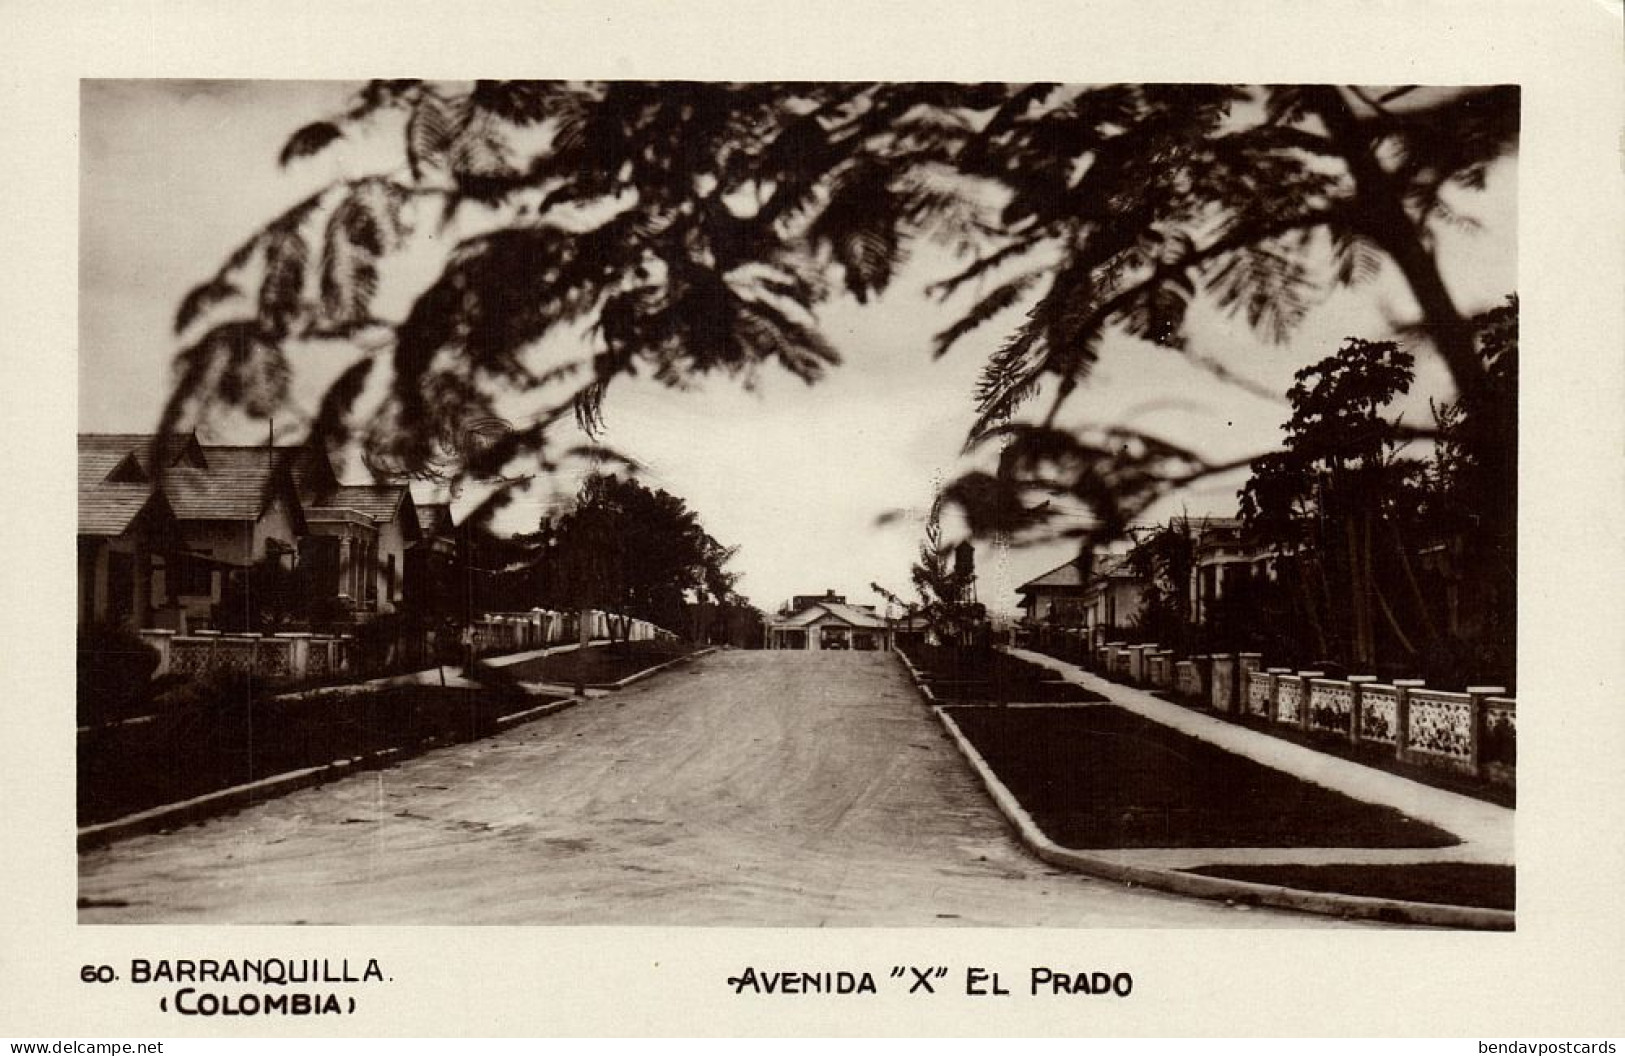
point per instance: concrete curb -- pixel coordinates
(1195, 885)
(225, 800)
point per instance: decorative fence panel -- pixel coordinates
(1475, 732)
(274, 658)
(1331, 705)
(1441, 724)
(1379, 713)
(269, 656)
(1190, 680)
(1288, 699)
(319, 659)
(1258, 693)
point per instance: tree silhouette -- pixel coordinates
(634, 551)
(682, 229)
(1329, 501)
(943, 578)
(1350, 512)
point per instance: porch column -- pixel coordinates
(346, 569)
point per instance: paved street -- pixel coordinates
(750, 788)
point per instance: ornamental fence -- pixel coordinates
(1475, 732)
(294, 655)
(299, 655)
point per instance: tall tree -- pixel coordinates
(1331, 502)
(944, 576)
(634, 551)
(1163, 561)
(1399, 554)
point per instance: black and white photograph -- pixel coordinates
(1171, 542)
(1078, 515)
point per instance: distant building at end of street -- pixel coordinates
(816, 622)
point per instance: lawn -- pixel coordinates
(245, 735)
(1449, 883)
(598, 664)
(966, 676)
(1104, 777)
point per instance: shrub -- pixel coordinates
(115, 669)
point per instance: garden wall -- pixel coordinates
(1475, 732)
(298, 655)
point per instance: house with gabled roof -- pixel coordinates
(1107, 594)
(127, 535)
(817, 623)
(359, 534)
(370, 528)
(229, 507)
(233, 506)
(432, 561)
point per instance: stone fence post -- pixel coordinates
(298, 651)
(1222, 682)
(1478, 696)
(1204, 677)
(1357, 684)
(1137, 670)
(159, 640)
(1402, 714)
(1306, 697)
(1276, 674)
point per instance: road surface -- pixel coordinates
(749, 788)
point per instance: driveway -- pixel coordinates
(749, 788)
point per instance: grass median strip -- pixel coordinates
(1444, 883)
(987, 676)
(246, 735)
(1104, 778)
(598, 665)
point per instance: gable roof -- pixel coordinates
(849, 614)
(1070, 579)
(435, 518)
(378, 501)
(217, 483)
(113, 488)
(236, 484)
(110, 509)
(101, 454)
(1067, 575)
(311, 470)
(382, 503)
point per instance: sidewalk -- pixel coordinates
(1485, 829)
(451, 676)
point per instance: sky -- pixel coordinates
(174, 175)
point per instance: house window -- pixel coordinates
(389, 578)
(832, 638)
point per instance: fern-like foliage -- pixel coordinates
(694, 228)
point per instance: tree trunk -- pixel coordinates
(1359, 602)
(1383, 217)
(1429, 627)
